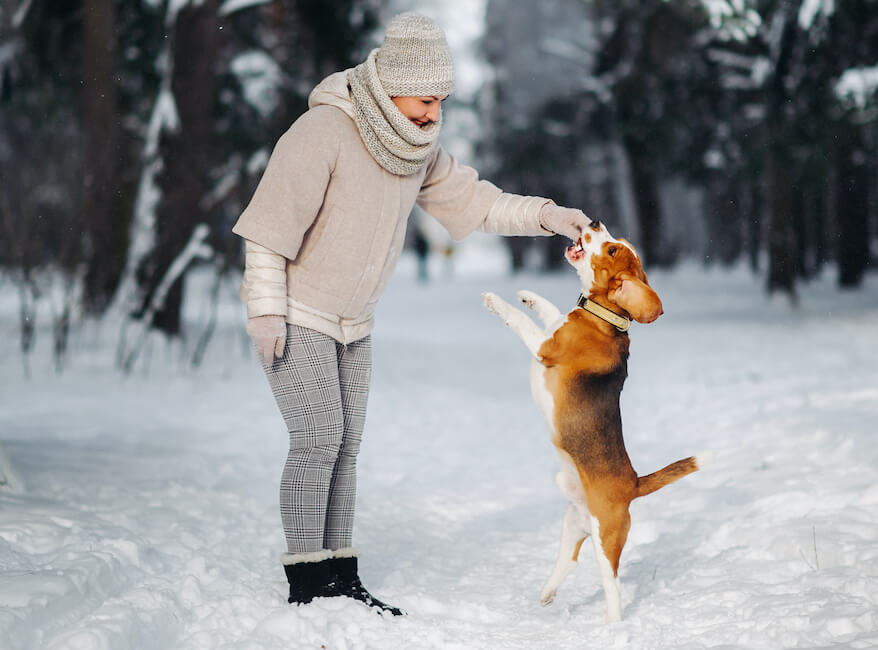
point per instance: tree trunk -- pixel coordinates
(186, 154)
(103, 212)
(852, 208)
(517, 247)
(780, 165)
(553, 251)
(781, 237)
(801, 240)
(646, 196)
(753, 214)
(724, 220)
(824, 204)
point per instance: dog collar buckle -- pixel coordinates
(619, 322)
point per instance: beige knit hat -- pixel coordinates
(414, 59)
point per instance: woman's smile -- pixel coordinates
(421, 111)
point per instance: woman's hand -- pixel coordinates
(569, 222)
(269, 334)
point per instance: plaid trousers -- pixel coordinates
(321, 387)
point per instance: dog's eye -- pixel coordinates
(611, 251)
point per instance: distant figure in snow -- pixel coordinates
(323, 233)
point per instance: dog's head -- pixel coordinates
(611, 268)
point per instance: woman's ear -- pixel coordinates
(637, 298)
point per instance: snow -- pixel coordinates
(20, 14)
(810, 9)
(733, 19)
(231, 6)
(858, 85)
(148, 517)
(260, 78)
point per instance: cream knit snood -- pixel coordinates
(395, 142)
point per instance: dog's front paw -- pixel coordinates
(491, 301)
(527, 298)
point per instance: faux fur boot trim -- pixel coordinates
(289, 559)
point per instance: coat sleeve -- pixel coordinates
(264, 289)
(460, 201)
(290, 194)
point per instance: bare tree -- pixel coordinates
(854, 179)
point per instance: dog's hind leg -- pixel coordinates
(607, 550)
(548, 313)
(527, 330)
(574, 530)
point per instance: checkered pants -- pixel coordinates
(321, 388)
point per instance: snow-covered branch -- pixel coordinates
(196, 248)
(741, 71)
(858, 86)
(231, 6)
(732, 19)
(811, 9)
(20, 14)
(164, 118)
(260, 78)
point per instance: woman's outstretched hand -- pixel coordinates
(569, 222)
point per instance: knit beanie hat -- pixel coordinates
(414, 60)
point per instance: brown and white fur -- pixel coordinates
(579, 367)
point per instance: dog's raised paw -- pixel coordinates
(489, 300)
(527, 298)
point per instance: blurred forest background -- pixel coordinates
(132, 133)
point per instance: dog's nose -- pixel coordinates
(595, 225)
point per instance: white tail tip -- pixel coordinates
(705, 458)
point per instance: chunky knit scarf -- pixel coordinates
(395, 142)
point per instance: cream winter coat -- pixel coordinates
(326, 224)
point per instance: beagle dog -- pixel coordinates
(579, 367)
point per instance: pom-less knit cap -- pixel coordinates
(414, 60)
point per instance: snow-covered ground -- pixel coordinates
(148, 518)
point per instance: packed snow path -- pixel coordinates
(148, 518)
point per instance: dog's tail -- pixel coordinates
(673, 472)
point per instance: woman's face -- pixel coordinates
(420, 110)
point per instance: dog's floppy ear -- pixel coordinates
(636, 297)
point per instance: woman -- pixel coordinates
(323, 232)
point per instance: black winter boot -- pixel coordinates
(348, 584)
(311, 575)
